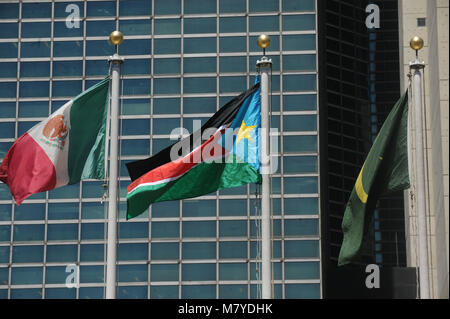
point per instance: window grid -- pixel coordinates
(249, 76)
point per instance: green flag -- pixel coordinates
(384, 171)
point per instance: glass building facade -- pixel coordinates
(183, 60)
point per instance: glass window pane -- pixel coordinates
(7, 129)
(233, 24)
(67, 68)
(36, 29)
(233, 291)
(8, 89)
(133, 230)
(136, 87)
(91, 274)
(26, 275)
(233, 207)
(136, 147)
(199, 25)
(28, 232)
(167, 46)
(233, 249)
(165, 126)
(68, 48)
(166, 86)
(8, 50)
(91, 293)
(299, 22)
(299, 42)
(301, 62)
(136, 127)
(233, 64)
(302, 206)
(62, 232)
(232, 228)
(200, 45)
(165, 229)
(5, 212)
(34, 89)
(93, 210)
(301, 227)
(66, 88)
(233, 271)
(300, 185)
(136, 27)
(298, 5)
(62, 253)
(264, 23)
(35, 49)
(263, 5)
(98, 48)
(198, 208)
(198, 272)
(304, 143)
(130, 292)
(199, 65)
(199, 105)
(4, 278)
(302, 270)
(200, 85)
(36, 10)
(167, 26)
(133, 251)
(227, 6)
(199, 229)
(198, 292)
(164, 272)
(233, 44)
(4, 257)
(302, 291)
(132, 273)
(56, 275)
(164, 292)
(301, 249)
(199, 6)
(35, 293)
(166, 209)
(135, 106)
(92, 231)
(60, 293)
(8, 109)
(62, 211)
(136, 66)
(300, 123)
(95, 252)
(8, 70)
(5, 233)
(33, 109)
(96, 67)
(101, 9)
(9, 10)
(167, 7)
(30, 212)
(300, 164)
(164, 251)
(306, 102)
(135, 7)
(28, 254)
(232, 83)
(199, 250)
(9, 30)
(303, 82)
(100, 28)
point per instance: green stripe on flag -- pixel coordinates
(87, 133)
(200, 180)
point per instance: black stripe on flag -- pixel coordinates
(223, 116)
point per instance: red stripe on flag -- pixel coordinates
(27, 169)
(182, 165)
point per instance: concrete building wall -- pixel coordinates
(435, 55)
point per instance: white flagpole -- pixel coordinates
(111, 258)
(264, 65)
(416, 44)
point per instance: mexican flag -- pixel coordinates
(63, 149)
(223, 153)
(384, 171)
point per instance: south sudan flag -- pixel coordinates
(223, 153)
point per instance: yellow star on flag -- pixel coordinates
(244, 132)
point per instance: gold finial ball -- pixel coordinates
(116, 37)
(263, 41)
(416, 43)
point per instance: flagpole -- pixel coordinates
(115, 38)
(264, 65)
(416, 65)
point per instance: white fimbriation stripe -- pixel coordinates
(59, 157)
